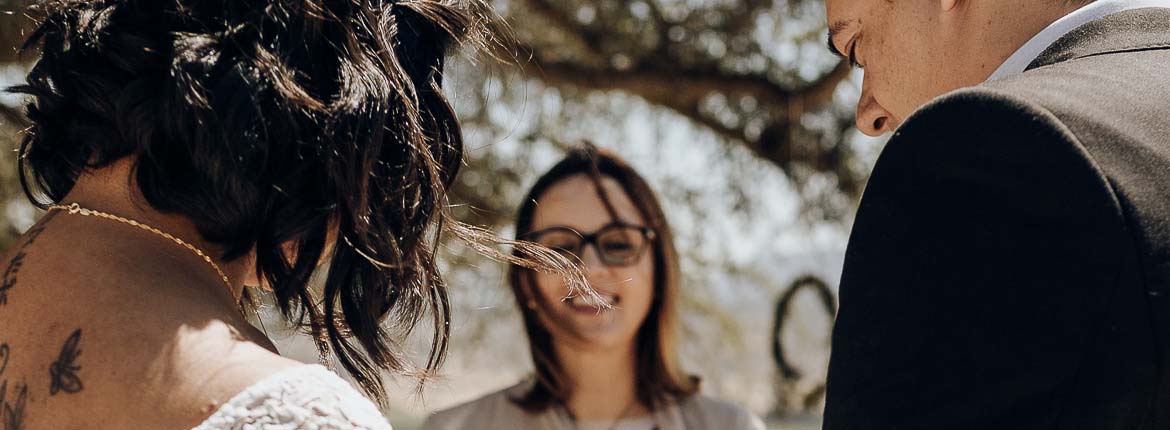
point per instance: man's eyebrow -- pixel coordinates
(835, 29)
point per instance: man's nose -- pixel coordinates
(872, 118)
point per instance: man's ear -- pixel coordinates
(948, 5)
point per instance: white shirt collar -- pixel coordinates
(1028, 53)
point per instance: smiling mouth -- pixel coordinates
(582, 303)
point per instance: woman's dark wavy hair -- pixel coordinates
(271, 124)
(659, 377)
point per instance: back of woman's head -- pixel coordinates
(269, 124)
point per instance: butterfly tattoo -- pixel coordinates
(11, 412)
(64, 370)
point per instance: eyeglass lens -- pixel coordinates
(616, 244)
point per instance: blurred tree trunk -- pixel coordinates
(14, 27)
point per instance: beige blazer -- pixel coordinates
(496, 411)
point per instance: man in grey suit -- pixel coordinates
(1009, 266)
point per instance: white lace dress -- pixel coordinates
(306, 397)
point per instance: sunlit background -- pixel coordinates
(732, 109)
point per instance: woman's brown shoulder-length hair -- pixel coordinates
(659, 379)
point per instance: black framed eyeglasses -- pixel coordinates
(617, 244)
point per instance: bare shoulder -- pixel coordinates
(78, 371)
(186, 370)
(81, 344)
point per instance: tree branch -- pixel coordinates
(584, 36)
(682, 91)
(742, 17)
(688, 86)
(693, 113)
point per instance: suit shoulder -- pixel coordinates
(464, 415)
(985, 113)
(716, 413)
(990, 131)
(1103, 88)
(983, 145)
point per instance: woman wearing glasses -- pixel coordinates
(599, 364)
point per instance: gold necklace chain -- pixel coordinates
(76, 209)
